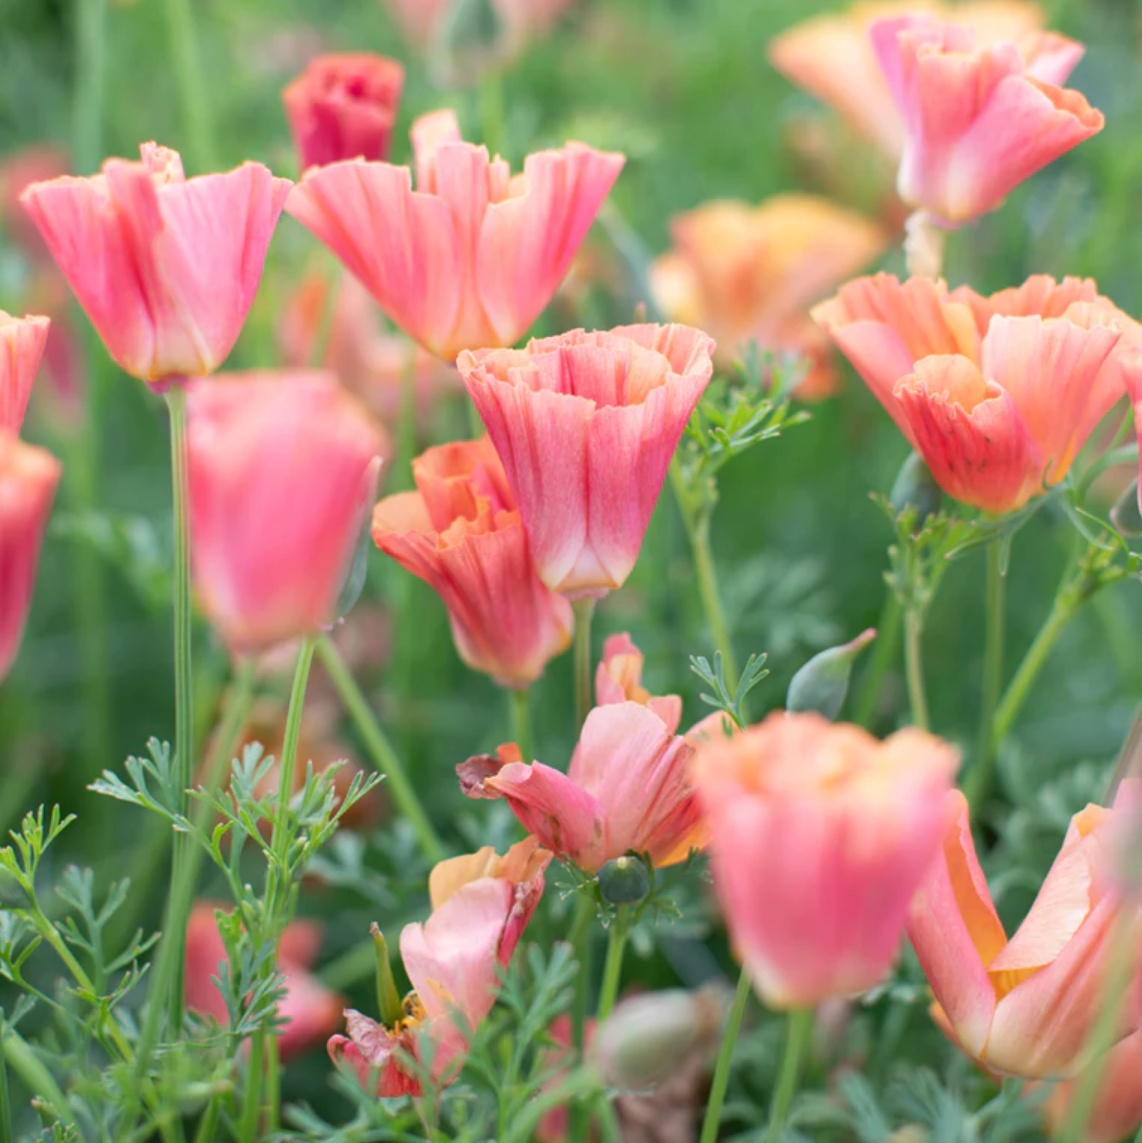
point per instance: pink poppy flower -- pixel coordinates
(22, 342)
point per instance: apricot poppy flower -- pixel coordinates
(283, 469)
(22, 342)
(165, 267)
(461, 533)
(1024, 1006)
(819, 837)
(472, 256)
(750, 273)
(618, 678)
(997, 394)
(977, 120)
(481, 905)
(310, 1010)
(586, 425)
(344, 106)
(28, 480)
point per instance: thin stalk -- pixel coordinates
(521, 721)
(584, 612)
(288, 762)
(5, 1103)
(721, 1079)
(613, 966)
(208, 1124)
(248, 1123)
(580, 938)
(914, 667)
(272, 1102)
(981, 775)
(192, 91)
(800, 1032)
(381, 753)
(492, 120)
(34, 1074)
(884, 653)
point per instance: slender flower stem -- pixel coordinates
(914, 667)
(613, 967)
(383, 757)
(721, 1080)
(5, 1103)
(981, 774)
(584, 611)
(800, 1031)
(288, 761)
(192, 90)
(884, 653)
(580, 939)
(521, 721)
(34, 1075)
(491, 96)
(248, 1123)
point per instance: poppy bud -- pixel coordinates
(624, 880)
(916, 488)
(822, 683)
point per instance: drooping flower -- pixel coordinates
(997, 394)
(344, 106)
(1025, 1006)
(978, 121)
(22, 342)
(751, 273)
(28, 480)
(165, 267)
(472, 256)
(481, 905)
(586, 425)
(461, 533)
(310, 1010)
(283, 470)
(819, 837)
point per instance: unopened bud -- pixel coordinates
(1125, 515)
(822, 683)
(648, 1039)
(471, 40)
(916, 488)
(388, 999)
(624, 880)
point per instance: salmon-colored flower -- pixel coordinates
(977, 120)
(998, 394)
(283, 469)
(310, 1010)
(586, 425)
(819, 837)
(627, 790)
(22, 342)
(832, 57)
(750, 273)
(1025, 1006)
(344, 106)
(618, 678)
(28, 480)
(164, 266)
(481, 905)
(472, 256)
(461, 533)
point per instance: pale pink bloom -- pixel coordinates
(22, 342)
(819, 837)
(461, 534)
(481, 905)
(618, 678)
(166, 268)
(977, 120)
(997, 394)
(28, 480)
(586, 425)
(473, 255)
(283, 470)
(343, 107)
(310, 1010)
(1025, 1006)
(627, 790)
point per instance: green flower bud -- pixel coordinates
(472, 39)
(624, 880)
(822, 683)
(388, 999)
(1125, 515)
(915, 488)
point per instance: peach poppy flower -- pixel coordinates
(819, 837)
(586, 425)
(22, 342)
(472, 256)
(165, 267)
(618, 678)
(742, 272)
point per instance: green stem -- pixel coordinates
(208, 1124)
(248, 1123)
(5, 1103)
(34, 1075)
(192, 91)
(884, 653)
(492, 111)
(381, 753)
(580, 939)
(613, 967)
(992, 673)
(584, 611)
(521, 721)
(279, 841)
(90, 85)
(914, 666)
(800, 1032)
(721, 1079)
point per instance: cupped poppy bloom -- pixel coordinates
(586, 425)
(344, 106)
(481, 905)
(283, 468)
(978, 121)
(820, 835)
(1025, 1006)
(28, 480)
(22, 342)
(747, 273)
(997, 394)
(165, 267)
(471, 257)
(460, 532)
(310, 1011)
